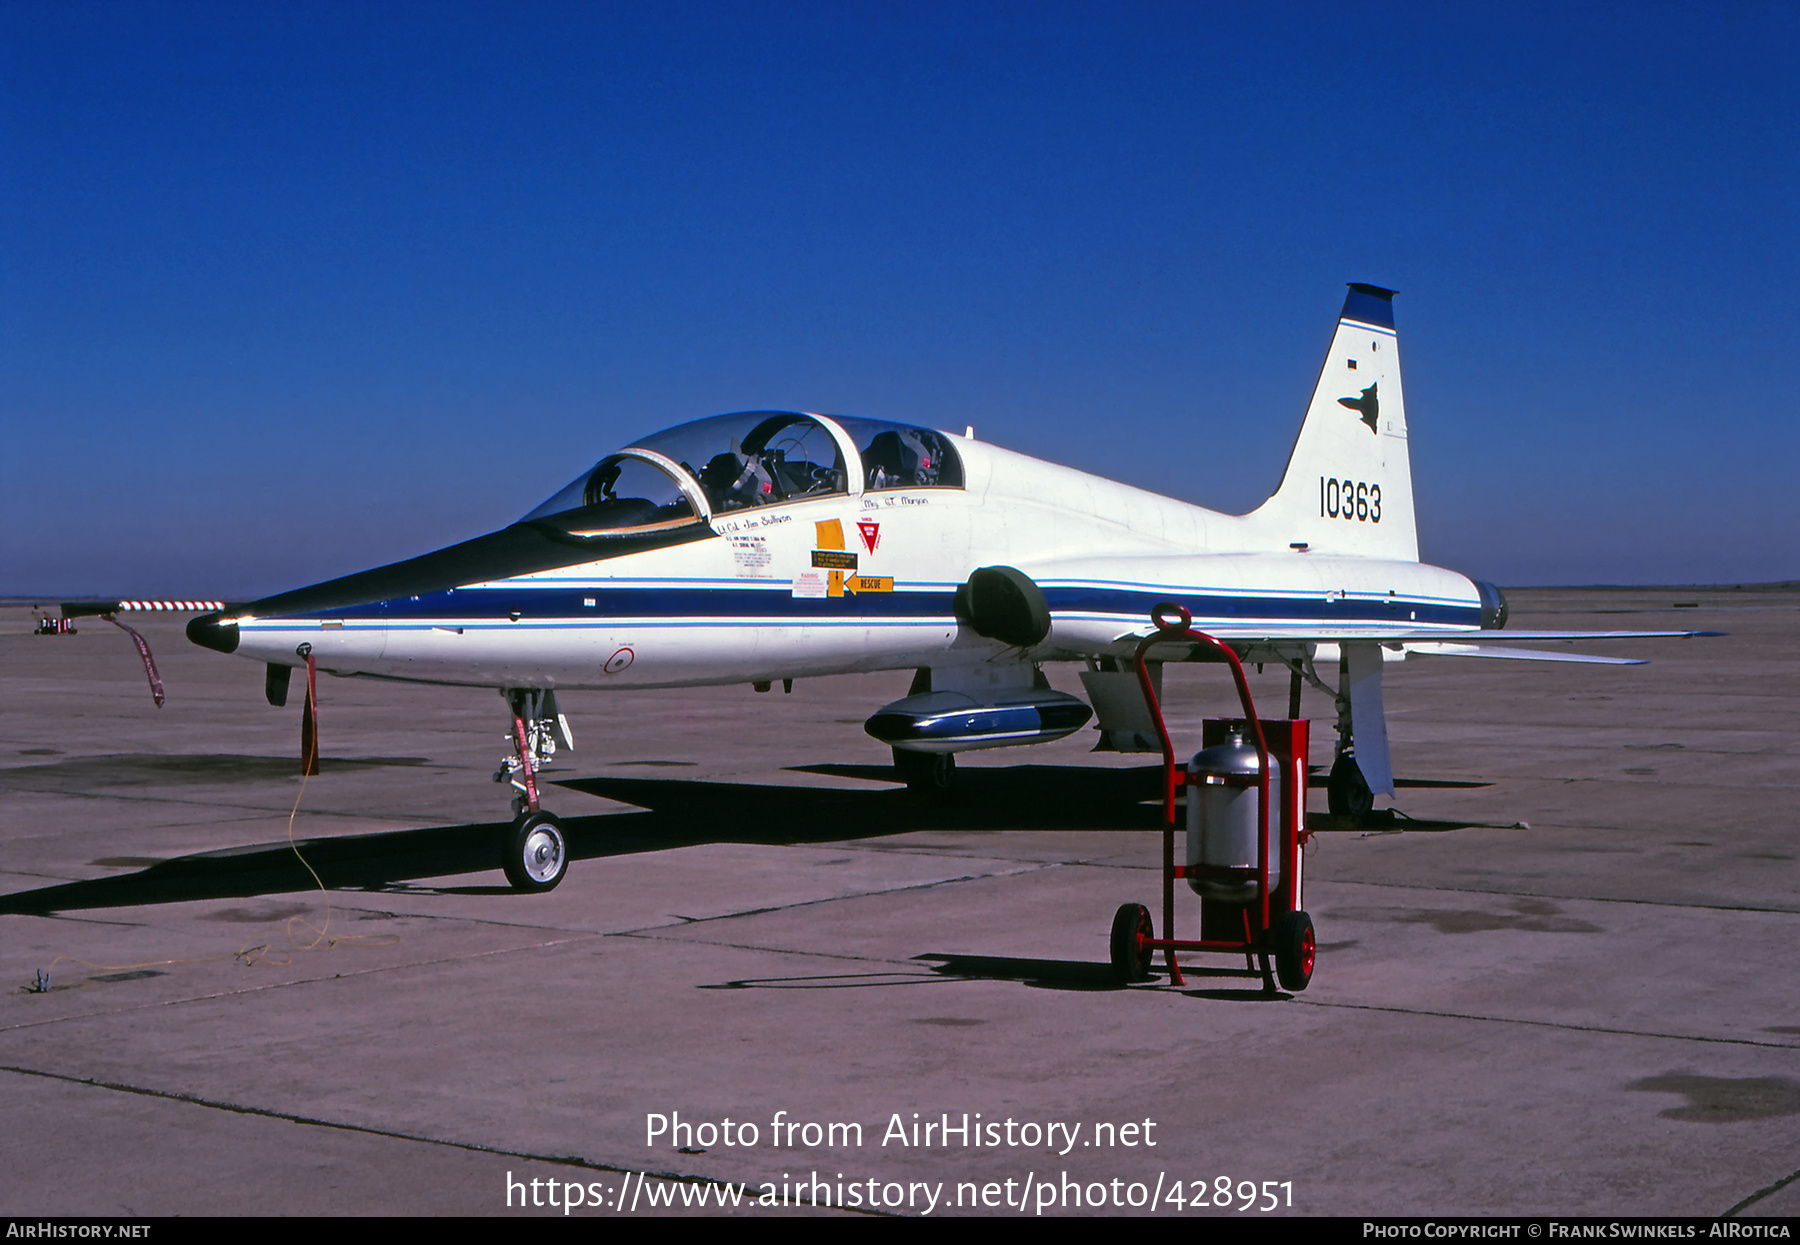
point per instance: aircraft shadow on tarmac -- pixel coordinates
(677, 813)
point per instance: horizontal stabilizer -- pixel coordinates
(1514, 654)
(1341, 635)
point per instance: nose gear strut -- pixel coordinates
(534, 853)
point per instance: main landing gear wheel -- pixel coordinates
(1131, 934)
(1347, 791)
(1295, 950)
(537, 854)
(931, 772)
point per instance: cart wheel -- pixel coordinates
(1347, 792)
(536, 854)
(1132, 931)
(1294, 951)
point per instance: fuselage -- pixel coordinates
(858, 574)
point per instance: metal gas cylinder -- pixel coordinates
(1222, 800)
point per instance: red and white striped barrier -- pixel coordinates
(186, 607)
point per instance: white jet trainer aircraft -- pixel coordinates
(775, 545)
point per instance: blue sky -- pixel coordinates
(290, 290)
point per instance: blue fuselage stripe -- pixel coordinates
(1132, 605)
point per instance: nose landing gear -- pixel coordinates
(534, 851)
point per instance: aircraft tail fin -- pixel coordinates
(1348, 484)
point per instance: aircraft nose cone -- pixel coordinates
(209, 632)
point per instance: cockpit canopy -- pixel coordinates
(756, 458)
(901, 456)
(623, 493)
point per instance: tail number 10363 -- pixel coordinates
(1351, 500)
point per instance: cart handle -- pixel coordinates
(1174, 624)
(1182, 622)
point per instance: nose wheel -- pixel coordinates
(537, 853)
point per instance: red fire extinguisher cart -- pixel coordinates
(1250, 901)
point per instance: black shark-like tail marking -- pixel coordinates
(1332, 455)
(1368, 405)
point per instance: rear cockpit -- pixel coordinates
(898, 456)
(690, 473)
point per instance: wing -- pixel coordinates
(1288, 643)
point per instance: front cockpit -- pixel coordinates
(759, 458)
(688, 474)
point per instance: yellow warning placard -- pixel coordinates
(829, 539)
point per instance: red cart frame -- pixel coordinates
(1274, 924)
